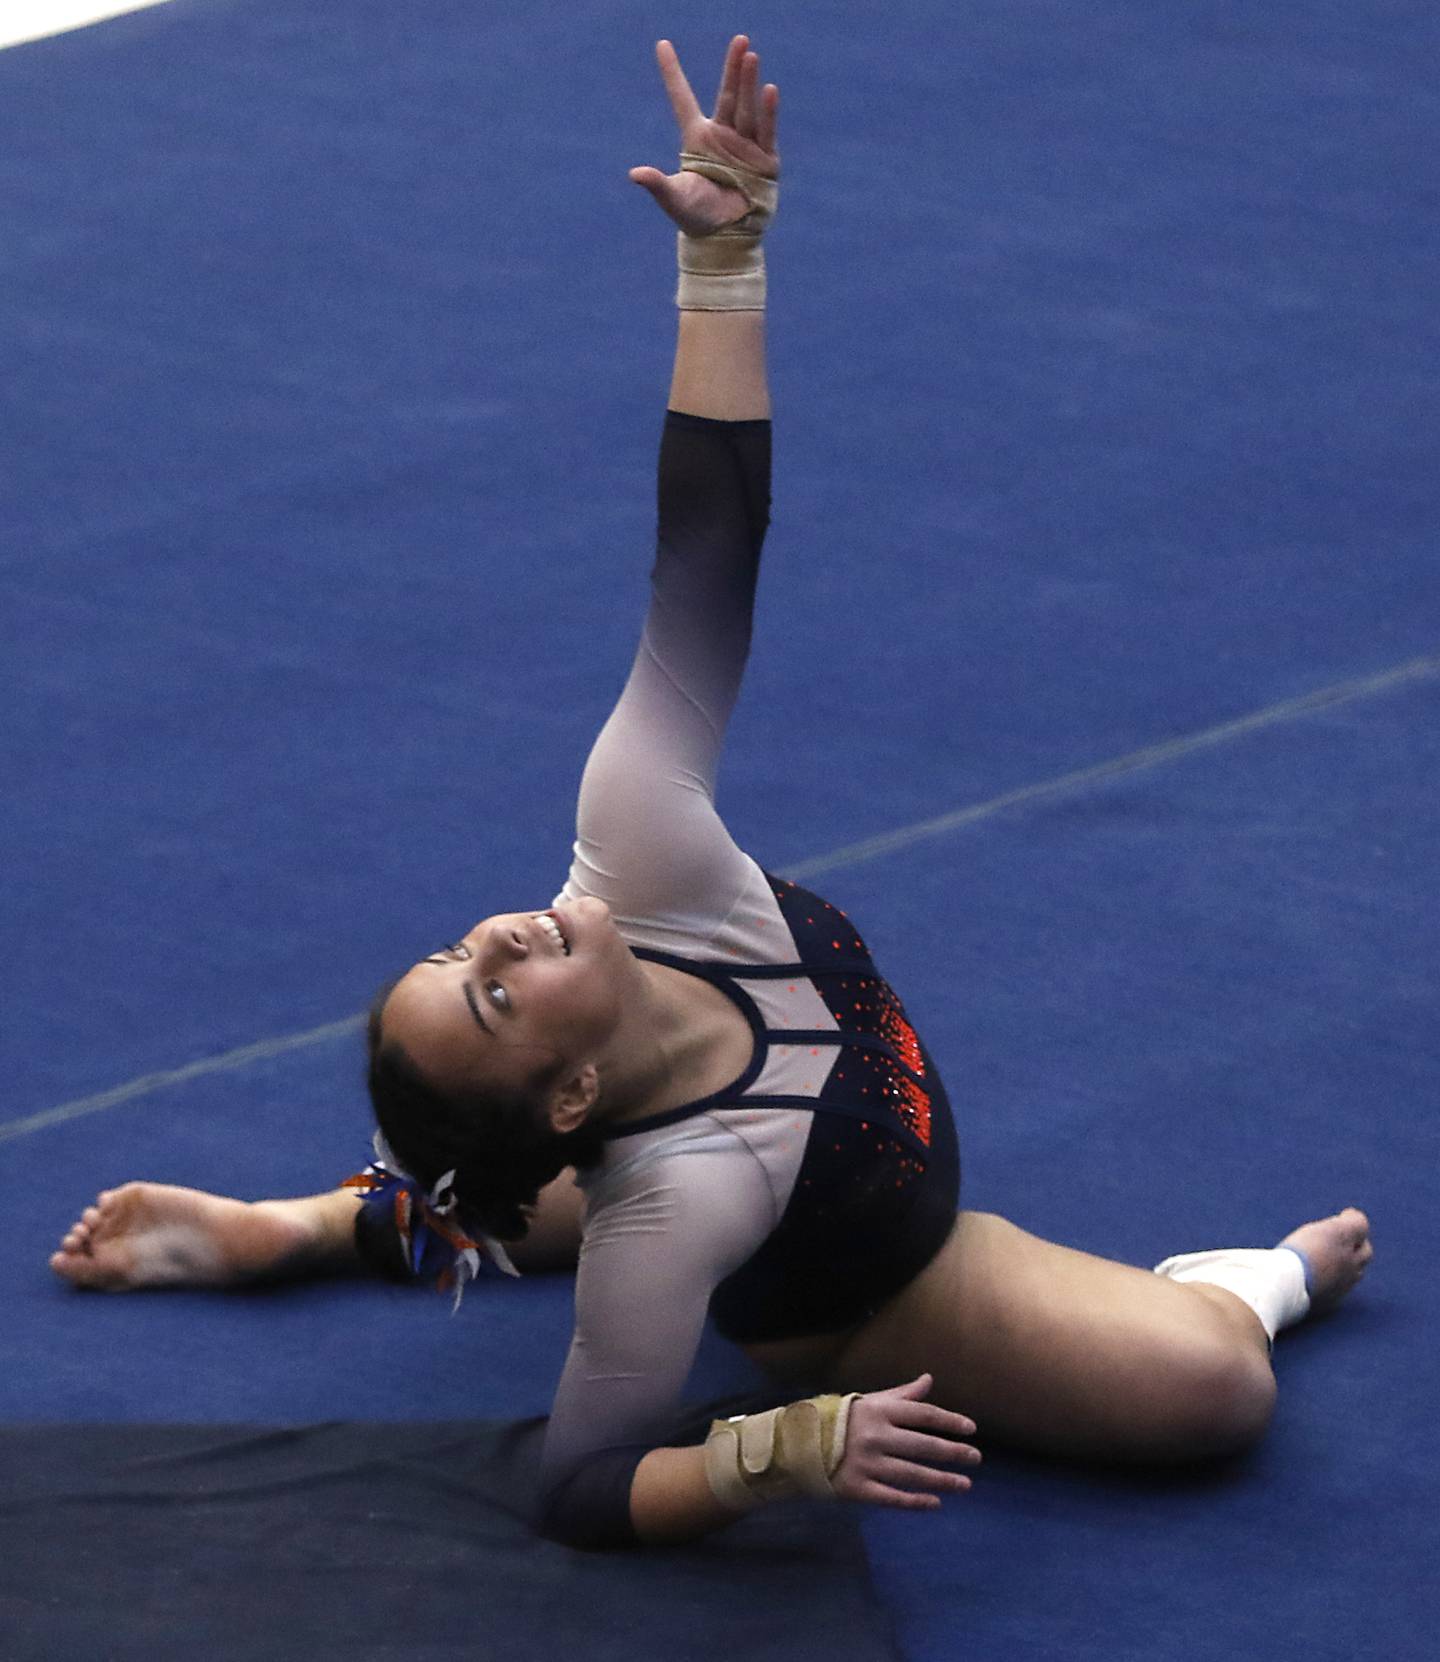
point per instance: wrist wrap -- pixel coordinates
(788, 1451)
(725, 271)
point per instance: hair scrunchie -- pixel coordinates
(431, 1238)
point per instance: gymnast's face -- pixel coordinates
(512, 997)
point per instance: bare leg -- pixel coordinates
(1065, 1353)
(156, 1235)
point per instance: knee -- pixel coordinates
(1224, 1399)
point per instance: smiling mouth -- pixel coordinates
(552, 928)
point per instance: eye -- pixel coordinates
(498, 996)
(459, 952)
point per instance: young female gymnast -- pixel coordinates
(757, 1128)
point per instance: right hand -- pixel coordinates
(898, 1446)
(741, 133)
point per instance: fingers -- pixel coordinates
(747, 103)
(914, 1388)
(741, 103)
(677, 88)
(897, 1483)
(878, 1494)
(769, 116)
(914, 1459)
(728, 94)
(887, 1480)
(914, 1445)
(906, 1405)
(926, 1416)
(662, 187)
(907, 1475)
(902, 1450)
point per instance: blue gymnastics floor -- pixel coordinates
(333, 343)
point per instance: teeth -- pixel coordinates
(553, 929)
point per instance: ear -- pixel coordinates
(571, 1102)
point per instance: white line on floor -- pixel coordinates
(241, 1058)
(1342, 692)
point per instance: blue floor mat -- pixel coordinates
(1105, 358)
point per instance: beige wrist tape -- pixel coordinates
(788, 1451)
(725, 272)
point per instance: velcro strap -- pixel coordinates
(788, 1451)
(762, 194)
(759, 1434)
(808, 1443)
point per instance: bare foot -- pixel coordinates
(1338, 1249)
(154, 1235)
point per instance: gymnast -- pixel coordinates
(689, 1080)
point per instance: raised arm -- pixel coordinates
(650, 842)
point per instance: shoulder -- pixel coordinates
(691, 1188)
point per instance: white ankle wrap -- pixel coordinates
(725, 272)
(1271, 1280)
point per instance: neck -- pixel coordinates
(664, 1041)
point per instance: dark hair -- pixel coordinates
(497, 1142)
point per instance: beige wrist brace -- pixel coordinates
(788, 1451)
(725, 271)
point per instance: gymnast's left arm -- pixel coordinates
(887, 1448)
(660, 1236)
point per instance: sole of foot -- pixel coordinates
(157, 1235)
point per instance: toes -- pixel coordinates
(1357, 1228)
(108, 1212)
(76, 1268)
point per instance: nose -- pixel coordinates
(512, 941)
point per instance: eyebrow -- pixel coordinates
(475, 1008)
(439, 957)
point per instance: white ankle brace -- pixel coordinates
(725, 272)
(1272, 1281)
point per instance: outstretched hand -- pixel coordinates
(740, 133)
(898, 1446)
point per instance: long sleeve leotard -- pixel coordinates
(819, 1182)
